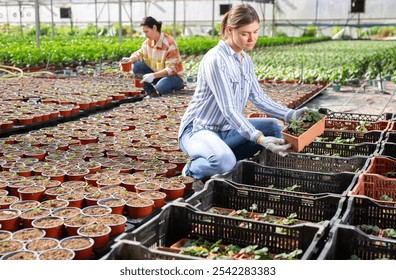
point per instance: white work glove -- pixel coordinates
(148, 78)
(275, 145)
(297, 113)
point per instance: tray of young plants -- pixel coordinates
(308, 162)
(361, 126)
(368, 118)
(302, 131)
(350, 138)
(179, 222)
(249, 174)
(347, 242)
(222, 198)
(370, 217)
(341, 150)
(377, 187)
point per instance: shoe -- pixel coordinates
(153, 94)
(185, 169)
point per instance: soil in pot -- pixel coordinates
(31, 193)
(82, 246)
(100, 233)
(52, 226)
(173, 190)
(8, 246)
(156, 196)
(7, 200)
(75, 199)
(20, 255)
(52, 193)
(116, 222)
(125, 195)
(147, 186)
(42, 244)
(57, 254)
(116, 204)
(74, 223)
(139, 207)
(76, 174)
(29, 215)
(93, 198)
(5, 235)
(27, 234)
(96, 210)
(112, 189)
(9, 219)
(66, 212)
(186, 180)
(54, 204)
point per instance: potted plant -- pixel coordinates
(304, 130)
(42, 244)
(82, 246)
(57, 254)
(100, 233)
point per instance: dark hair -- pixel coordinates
(150, 22)
(239, 15)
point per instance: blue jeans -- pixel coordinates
(163, 85)
(216, 152)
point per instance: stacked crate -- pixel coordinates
(313, 184)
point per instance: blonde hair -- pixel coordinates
(239, 15)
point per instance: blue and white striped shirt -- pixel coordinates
(224, 85)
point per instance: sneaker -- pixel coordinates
(185, 169)
(154, 94)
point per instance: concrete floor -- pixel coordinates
(361, 99)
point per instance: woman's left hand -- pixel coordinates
(148, 78)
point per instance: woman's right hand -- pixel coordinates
(275, 145)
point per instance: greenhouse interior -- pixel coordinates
(99, 151)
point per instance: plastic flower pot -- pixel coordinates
(82, 246)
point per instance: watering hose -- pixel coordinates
(20, 73)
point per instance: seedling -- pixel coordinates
(386, 198)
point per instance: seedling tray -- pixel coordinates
(349, 125)
(388, 149)
(354, 116)
(318, 163)
(220, 193)
(248, 173)
(376, 186)
(362, 210)
(346, 241)
(381, 165)
(359, 137)
(341, 150)
(133, 250)
(178, 221)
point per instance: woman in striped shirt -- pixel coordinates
(213, 130)
(158, 60)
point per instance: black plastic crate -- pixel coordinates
(362, 210)
(388, 149)
(348, 125)
(346, 241)
(220, 193)
(179, 220)
(359, 137)
(133, 250)
(354, 116)
(390, 137)
(341, 150)
(249, 173)
(307, 162)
